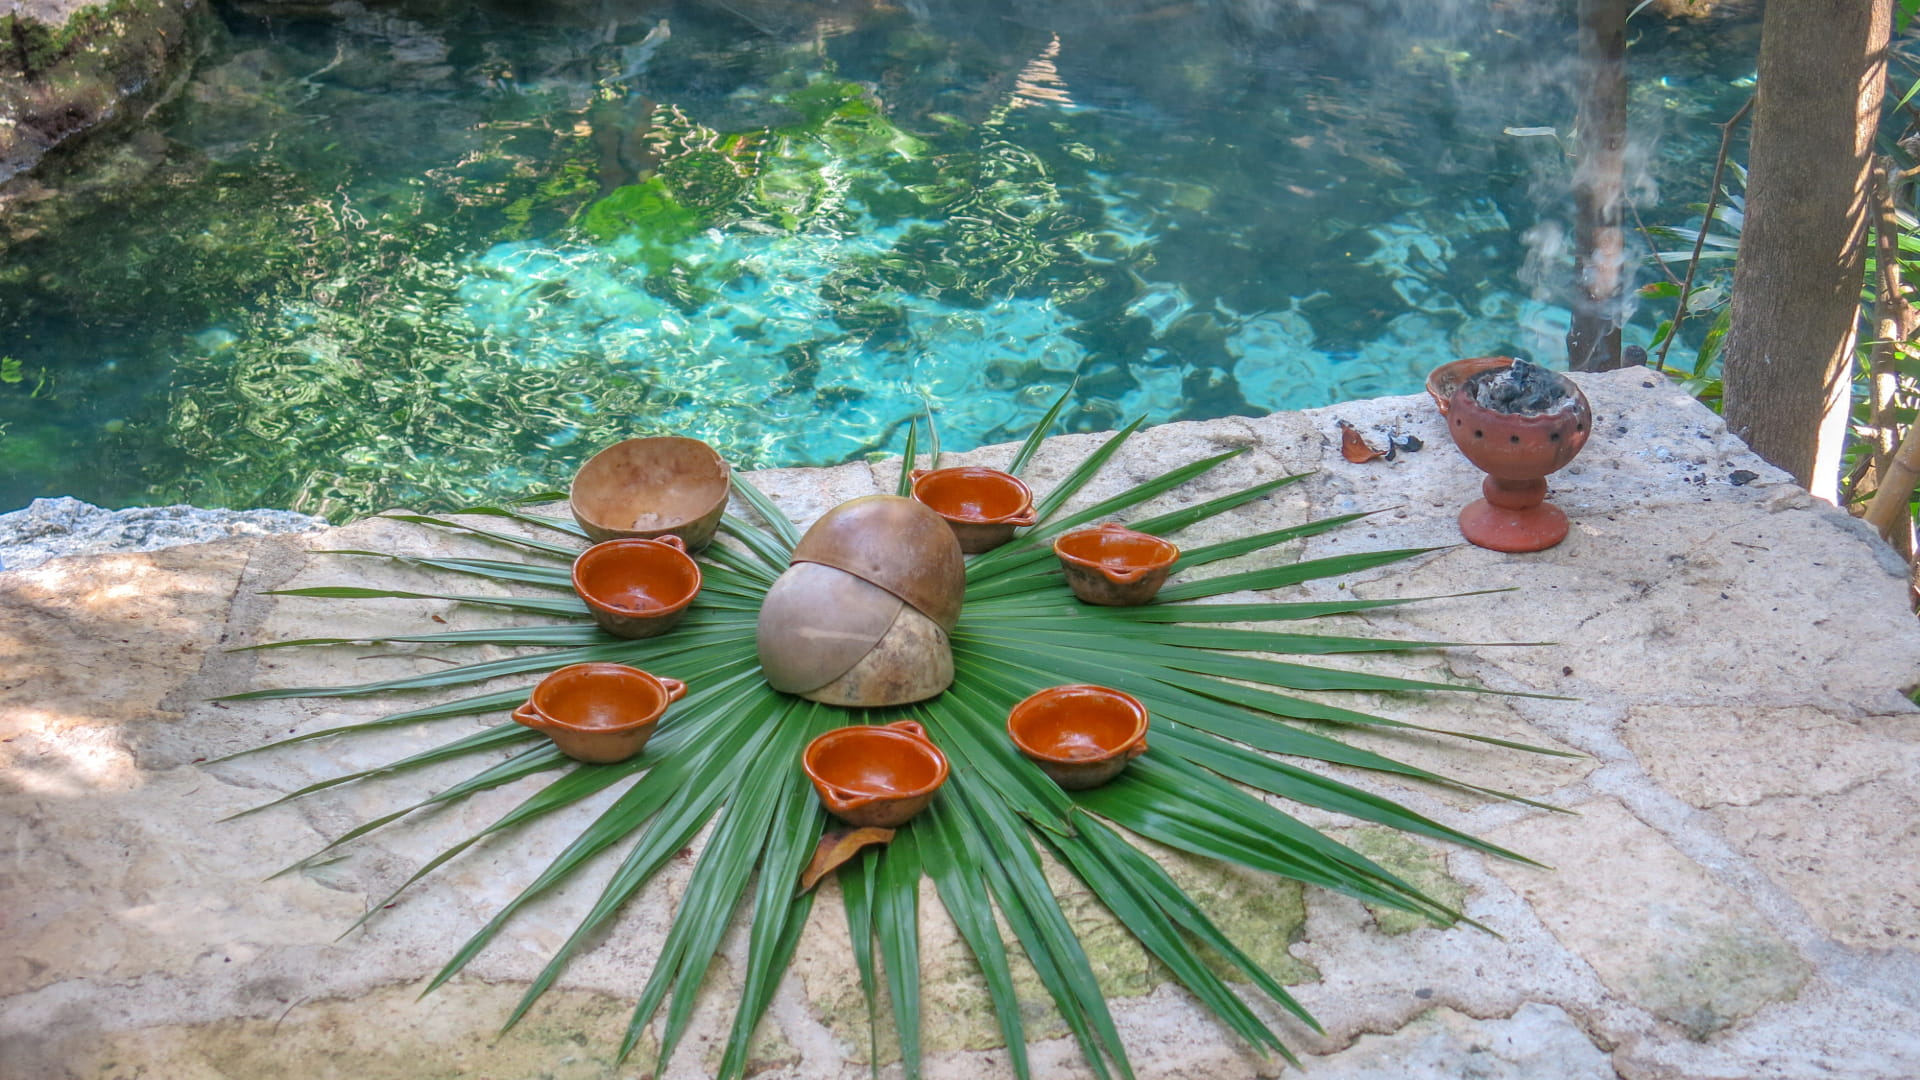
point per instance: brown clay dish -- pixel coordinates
(646, 488)
(1517, 451)
(637, 588)
(897, 544)
(875, 776)
(599, 713)
(982, 506)
(1115, 566)
(1081, 736)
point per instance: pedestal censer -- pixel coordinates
(1518, 423)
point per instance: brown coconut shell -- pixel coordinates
(912, 661)
(897, 544)
(651, 487)
(817, 622)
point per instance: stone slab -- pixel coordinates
(1652, 923)
(55, 528)
(1722, 907)
(1536, 1041)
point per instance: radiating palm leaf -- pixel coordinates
(1039, 433)
(904, 487)
(1225, 720)
(769, 513)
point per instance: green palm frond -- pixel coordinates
(1231, 727)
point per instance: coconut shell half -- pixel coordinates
(912, 661)
(817, 622)
(897, 544)
(651, 487)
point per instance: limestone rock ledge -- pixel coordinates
(1733, 895)
(56, 528)
(69, 68)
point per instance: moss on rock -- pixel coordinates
(1419, 865)
(102, 64)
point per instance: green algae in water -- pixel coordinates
(380, 259)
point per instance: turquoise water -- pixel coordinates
(396, 258)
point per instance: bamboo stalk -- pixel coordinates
(1896, 487)
(1892, 319)
(1893, 323)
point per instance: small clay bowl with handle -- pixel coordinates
(637, 588)
(599, 713)
(1081, 736)
(1115, 566)
(645, 488)
(875, 776)
(982, 506)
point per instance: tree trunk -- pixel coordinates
(1796, 284)
(1599, 189)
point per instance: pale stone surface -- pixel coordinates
(1536, 1041)
(1794, 788)
(1845, 857)
(1714, 757)
(1734, 900)
(570, 1035)
(1654, 926)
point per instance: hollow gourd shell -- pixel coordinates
(912, 661)
(817, 622)
(646, 488)
(897, 544)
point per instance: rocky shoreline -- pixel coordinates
(55, 528)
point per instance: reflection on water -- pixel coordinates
(376, 261)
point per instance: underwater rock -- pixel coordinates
(55, 528)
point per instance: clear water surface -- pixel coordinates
(394, 258)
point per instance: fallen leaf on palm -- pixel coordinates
(1353, 447)
(836, 848)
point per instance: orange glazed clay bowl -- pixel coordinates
(1114, 566)
(982, 506)
(637, 588)
(651, 487)
(1081, 736)
(599, 713)
(875, 776)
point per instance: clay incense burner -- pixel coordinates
(599, 713)
(875, 776)
(861, 615)
(982, 506)
(1517, 423)
(637, 588)
(647, 488)
(1081, 736)
(1114, 566)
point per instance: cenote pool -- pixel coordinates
(396, 256)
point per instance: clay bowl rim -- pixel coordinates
(1141, 722)
(1449, 377)
(1162, 544)
(626, 543)
(974, 472)
(599, 667)
(920, 743)
(682, 521)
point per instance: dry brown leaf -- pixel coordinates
(836, 848)
(1353, 447)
